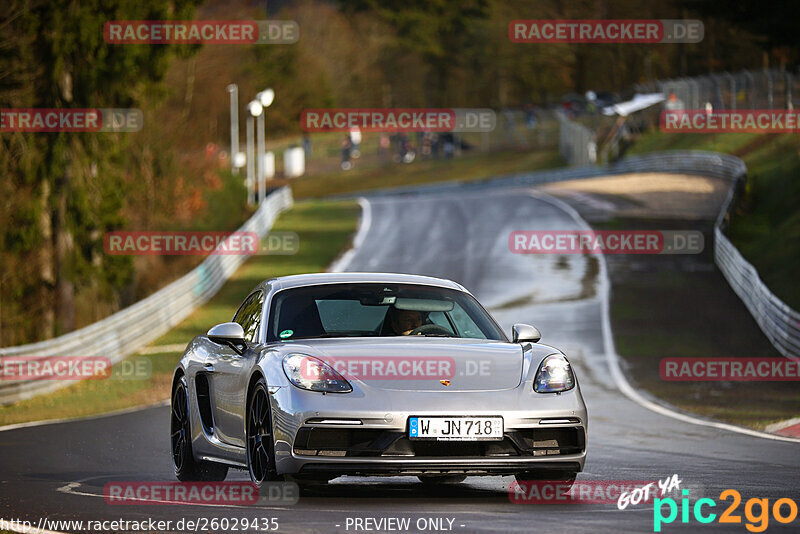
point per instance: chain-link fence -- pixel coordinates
(518, 129)
(748, 89)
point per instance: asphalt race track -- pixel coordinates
(58, 471)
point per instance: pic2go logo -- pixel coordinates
(758, 522)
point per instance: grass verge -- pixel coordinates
(324, 229)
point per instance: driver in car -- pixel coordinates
(404, 322)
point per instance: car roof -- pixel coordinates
(300, 280)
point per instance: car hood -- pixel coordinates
(420, 363)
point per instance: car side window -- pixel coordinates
(249, 316)
(241, 314)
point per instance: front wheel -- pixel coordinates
(188, 469)
(260, 445)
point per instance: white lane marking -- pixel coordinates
(123, 411)
(341, 264)
(611, 352)
(25, 529)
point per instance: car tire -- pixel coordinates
(259, 438)
(442, 479)
(187, 469)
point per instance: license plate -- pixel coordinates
(456, 428)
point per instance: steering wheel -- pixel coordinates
(430, 329)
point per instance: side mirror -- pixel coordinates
(230, 334)
(524, 332)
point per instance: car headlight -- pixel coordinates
(554, 375)
(307, 372)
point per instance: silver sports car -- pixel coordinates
(324, 375)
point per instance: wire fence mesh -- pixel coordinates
(748, 89)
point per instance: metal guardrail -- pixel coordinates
(132, 328)
(576, 142)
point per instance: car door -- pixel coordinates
(229, 371)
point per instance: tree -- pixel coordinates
(68, 191)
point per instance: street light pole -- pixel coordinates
(250, 158)
(256, 110)
(262, 188)
(264, 99)
(233, 89)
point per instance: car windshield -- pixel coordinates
(377, 310)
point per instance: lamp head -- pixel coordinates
(255, 108)
(266, 97)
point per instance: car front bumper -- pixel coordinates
(331, 435)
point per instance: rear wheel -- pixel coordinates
(186, 467)
(260, 445)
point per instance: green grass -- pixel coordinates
(766, 225)
(655, 140)
(467, 167)
(324, 229)
(670, 328)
